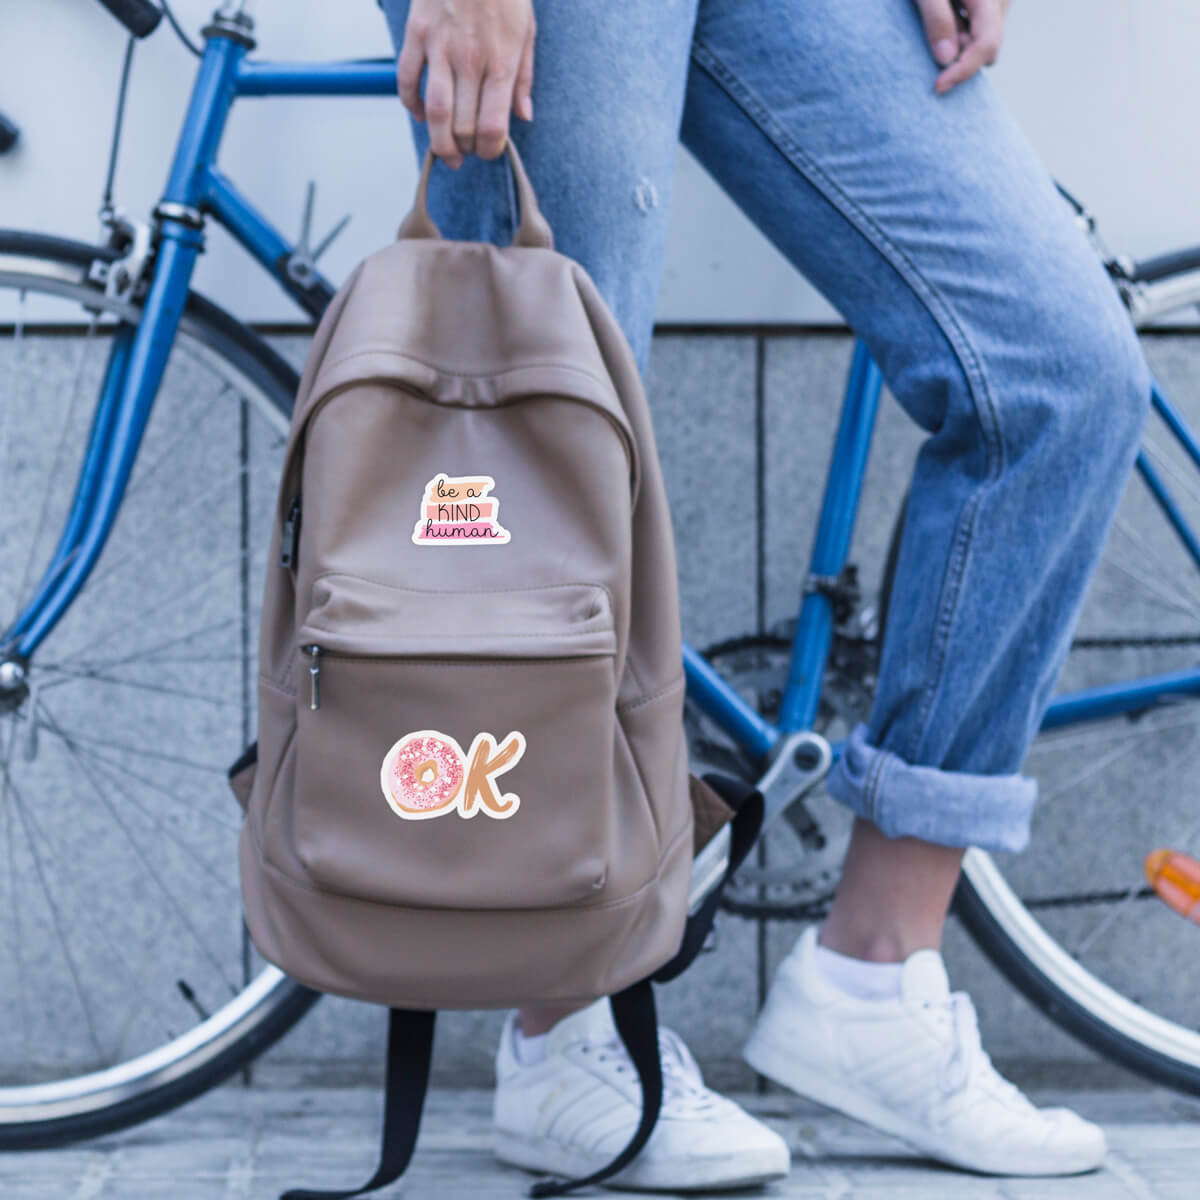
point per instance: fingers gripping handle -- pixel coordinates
(533, 230)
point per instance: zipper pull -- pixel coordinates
(289, 542)
(314, 675)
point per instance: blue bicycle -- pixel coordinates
(138, 466)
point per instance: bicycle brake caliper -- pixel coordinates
(124, 277)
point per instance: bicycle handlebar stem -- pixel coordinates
(236, 10)
(233, 20)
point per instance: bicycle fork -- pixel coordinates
(136, 363)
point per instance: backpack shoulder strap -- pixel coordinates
(637, 1023)
(410, 1046)
(743, 805)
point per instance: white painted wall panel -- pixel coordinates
(1103, 87)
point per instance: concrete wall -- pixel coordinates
(720, 402)
(1102, 87)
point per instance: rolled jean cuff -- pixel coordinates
(949, 808)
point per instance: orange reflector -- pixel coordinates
(1176, 879)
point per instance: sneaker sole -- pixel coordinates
(778, 1064)
(543, 1156)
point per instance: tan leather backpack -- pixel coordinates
(471, 784)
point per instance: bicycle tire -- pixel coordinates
(43, 1115)
(1068, 1011)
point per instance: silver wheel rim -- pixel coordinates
(1130, 1020)
(269, 989)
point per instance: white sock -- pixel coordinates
(858, 978)
(528, 1050)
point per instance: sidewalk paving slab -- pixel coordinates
(246, 1144)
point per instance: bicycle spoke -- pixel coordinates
(1121, 907)
(147, 655)
(13, 892)
(138, 619)
(1097, 764)
(214, 873)
(1096, 734)
(1162, 460)
(69, 676)
(277, 424)
(152, 547)
(1146, 588)
(203, 413)
(7, 416)
(184, 659)
(68, 424)
(55, 916)
(140, 992)
(1172, 599)
(203, 947)
(137, 752)
(127, 773)
(67, 560)
(1101, 750)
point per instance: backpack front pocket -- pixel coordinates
(455, 750)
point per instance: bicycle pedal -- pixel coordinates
(1175, 878)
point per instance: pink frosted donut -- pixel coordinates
(425, 774)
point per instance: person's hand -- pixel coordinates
(480, 56)
(962, 47)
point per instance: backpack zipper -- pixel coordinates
(314, 676)
(289, 540)
(315, 653)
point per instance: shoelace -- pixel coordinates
(967, 1061)
(684, 1093)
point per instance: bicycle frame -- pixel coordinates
(197, 190)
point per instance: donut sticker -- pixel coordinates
(426, 774)
(456, 510)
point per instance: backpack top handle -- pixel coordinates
(534, 229)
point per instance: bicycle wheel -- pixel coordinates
(130, 984)
(1071, 921)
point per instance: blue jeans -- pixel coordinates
(932, 227)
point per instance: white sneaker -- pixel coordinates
(913, 1067)
(575, 1110)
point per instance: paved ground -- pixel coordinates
(239, 1144)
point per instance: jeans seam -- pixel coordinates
(871, 791)
(983, 406)
(947, 609)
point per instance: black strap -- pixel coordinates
(637, 1024)
(744, 828)
(747, 804)
(247, 758)
(410, 1046)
